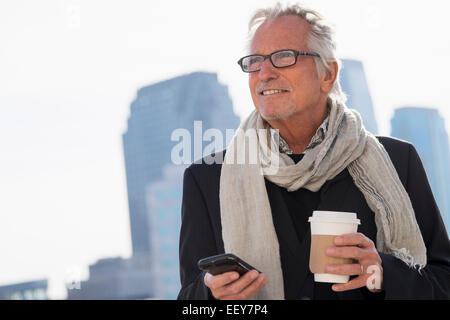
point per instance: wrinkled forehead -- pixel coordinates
(286, 32)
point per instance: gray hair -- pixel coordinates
(320, 38)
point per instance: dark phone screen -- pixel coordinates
(224, 263)
(227, 267)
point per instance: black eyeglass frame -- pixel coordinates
(296, 54)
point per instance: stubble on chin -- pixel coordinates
(283, 113)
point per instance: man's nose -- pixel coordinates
(268, 71)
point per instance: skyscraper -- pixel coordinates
(354, 84)
(156, 112)
(30, 290)
(164, 204)
(425, 128)
(116, 278)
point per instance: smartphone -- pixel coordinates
(224, 263)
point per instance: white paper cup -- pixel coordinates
(325, 225)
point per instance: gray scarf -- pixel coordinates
(247, 225)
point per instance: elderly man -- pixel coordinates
(326, 161)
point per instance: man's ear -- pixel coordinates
(329, 77)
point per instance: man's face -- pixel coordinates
(300, 82)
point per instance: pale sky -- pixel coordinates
(70, 69)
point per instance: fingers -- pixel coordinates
(220, 280)
(246, 292)
(360, 248)
(355, 283)
(224, 287)
(353, 239)
(344, 269)
(351, 252)
(370, 277)
(351, 245)
(365, 256)
(236, 287)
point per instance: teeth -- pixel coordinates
(267, 92)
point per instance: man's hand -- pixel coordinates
(367, 264)
(229, 286)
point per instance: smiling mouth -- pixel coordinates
(271, 92)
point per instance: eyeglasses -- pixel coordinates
(279, 59)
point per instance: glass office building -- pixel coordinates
(164, 204)
(156, 112)
(116, 278)
(425, 129)
(354, 84)
(30, 290)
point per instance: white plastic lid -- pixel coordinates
(334, 216)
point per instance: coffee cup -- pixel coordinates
(325, 226)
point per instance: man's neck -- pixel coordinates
(298, 129)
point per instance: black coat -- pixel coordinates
(201, 234)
